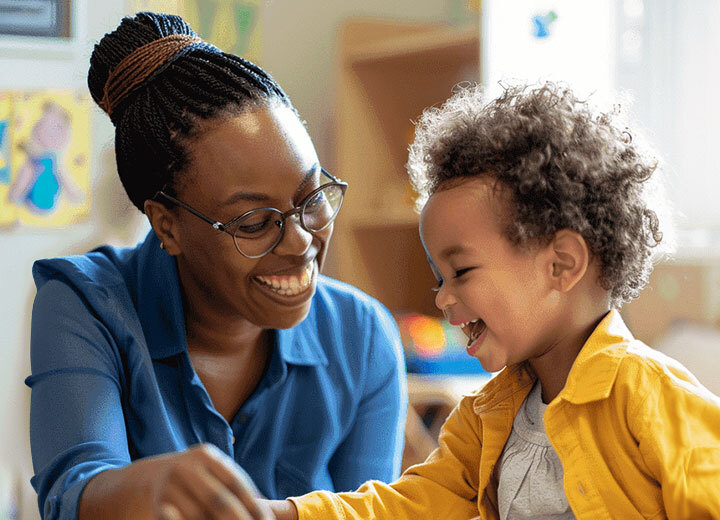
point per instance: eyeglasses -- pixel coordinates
(257, 232)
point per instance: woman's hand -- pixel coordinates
(203, 482)
(197, 484)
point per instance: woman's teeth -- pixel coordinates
(289, 285)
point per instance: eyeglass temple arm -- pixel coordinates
(213, 223)
(331, 176)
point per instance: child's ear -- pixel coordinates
(163, 223)
(570, 259)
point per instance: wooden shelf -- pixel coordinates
(440, 43)
(388, 73)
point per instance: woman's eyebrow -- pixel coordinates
(262, 197)
(309, 176)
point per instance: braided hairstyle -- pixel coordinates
(157, 119)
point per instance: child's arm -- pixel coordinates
(678, 428)
(444, 486)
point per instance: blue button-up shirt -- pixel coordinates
(112, 382)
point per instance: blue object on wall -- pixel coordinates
(541, 24)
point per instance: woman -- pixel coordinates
(159, 371)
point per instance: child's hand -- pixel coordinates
(283, 509)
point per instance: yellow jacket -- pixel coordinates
(637, 435)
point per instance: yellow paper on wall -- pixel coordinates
(50, 149)
(7, 209)
(235, 26)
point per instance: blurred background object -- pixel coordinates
(360, 73)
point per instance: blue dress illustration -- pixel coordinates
(4, 161)
(41, 180)
(44, 193)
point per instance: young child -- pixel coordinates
(537, 224)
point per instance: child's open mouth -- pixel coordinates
(473, 329)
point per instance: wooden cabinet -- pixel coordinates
(388, 73)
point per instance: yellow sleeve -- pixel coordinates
(444, 486)
(680, 442)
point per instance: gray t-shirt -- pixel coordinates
(530, 472)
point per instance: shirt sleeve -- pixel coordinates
(680, 442)
(444, 486)
(373, 447)
(77, 427)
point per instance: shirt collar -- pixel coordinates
(298, 346)
(159, 301)
(161, 313)
(593, 373)
(591, 377)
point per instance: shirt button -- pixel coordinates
(581, 489)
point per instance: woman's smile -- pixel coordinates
(289, 288)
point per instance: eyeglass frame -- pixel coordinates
(284, 216)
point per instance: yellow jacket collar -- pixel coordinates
(593, 373)
(591, 377)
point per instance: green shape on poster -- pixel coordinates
(245, 19)
(207, 12)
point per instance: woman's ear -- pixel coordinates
(570, 259)
(164, 224)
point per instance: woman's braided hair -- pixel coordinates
(161, 108)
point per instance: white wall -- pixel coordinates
(299, 52)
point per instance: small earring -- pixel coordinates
(162, 246)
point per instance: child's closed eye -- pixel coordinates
(460, 272)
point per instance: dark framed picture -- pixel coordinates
(43, 18)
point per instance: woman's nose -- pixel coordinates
(296, 240)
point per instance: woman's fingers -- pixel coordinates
(169, 512)
(240, 484)
(203, 483)
(178, 504)
(213, 497)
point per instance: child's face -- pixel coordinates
(485, 278)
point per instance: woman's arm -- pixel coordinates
(372, 449)
(201, 482)
(78, 437)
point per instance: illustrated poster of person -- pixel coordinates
(49, 166)
(7, 209)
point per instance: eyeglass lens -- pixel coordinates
(259, 231)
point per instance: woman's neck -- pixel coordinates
(213, 328)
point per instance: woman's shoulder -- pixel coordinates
(104, 274)
(104, 267)
(342, 299)
(354, 321)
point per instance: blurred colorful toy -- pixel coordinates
(433, 346)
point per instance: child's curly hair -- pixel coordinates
(566, 167)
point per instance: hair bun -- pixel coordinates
(131, 34)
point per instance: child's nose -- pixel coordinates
(444, 298)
